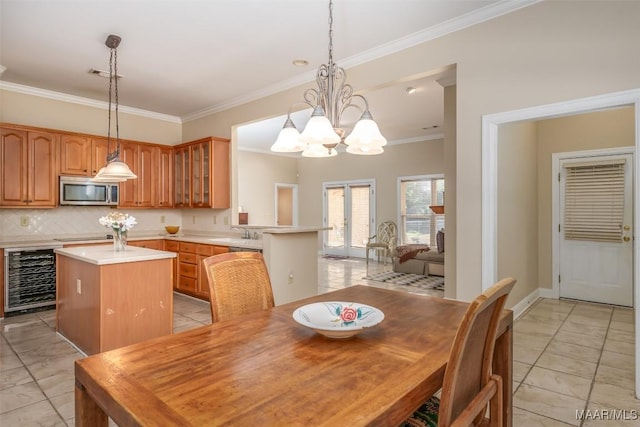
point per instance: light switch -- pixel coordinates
(79, 286)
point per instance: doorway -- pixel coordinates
(286, 204)
(594, 209)
(490, 124)
(348, 211)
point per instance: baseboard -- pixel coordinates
(525, 303)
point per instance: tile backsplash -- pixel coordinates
(79, 220)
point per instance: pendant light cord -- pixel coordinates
(113, 75)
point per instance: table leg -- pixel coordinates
(88, 413)
(503, 366)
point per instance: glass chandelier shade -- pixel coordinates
(319, 129)
(288, 139)
(115, 170)
(317, 151)
(366, 135)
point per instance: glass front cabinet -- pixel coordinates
(202, 174)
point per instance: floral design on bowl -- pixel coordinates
(338, 319)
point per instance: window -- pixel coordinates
(418, 223)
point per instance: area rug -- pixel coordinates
(334, 257)
(417, 280)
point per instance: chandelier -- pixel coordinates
(323, 132)
(115, 170)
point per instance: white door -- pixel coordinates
(596, 233)
(348, 210)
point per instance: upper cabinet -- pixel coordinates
(202, 174)
(29, 168)
(164, 169)
(82, 155)
(141, 159)
(195, 174)
(75, 155)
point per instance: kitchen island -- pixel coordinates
(107, 299)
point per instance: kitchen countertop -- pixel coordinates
(104, 254)
(193, 238)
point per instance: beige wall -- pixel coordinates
(517, 208)
(450, 105)
(605, 129)
(30, 110)
(419, 158)
(257, 177)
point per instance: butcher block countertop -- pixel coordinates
(104, 254)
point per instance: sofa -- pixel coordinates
(424, 262)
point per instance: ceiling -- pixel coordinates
(189, 58)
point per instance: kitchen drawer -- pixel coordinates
(188, 270)
(188, 258)
(187, 283)
(171, 246)
(205, 250)
(188, 247)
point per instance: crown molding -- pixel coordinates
(59, 96)
(456, 24)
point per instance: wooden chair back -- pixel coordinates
(238, 284)
(468, 381)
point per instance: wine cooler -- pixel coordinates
(30, 278)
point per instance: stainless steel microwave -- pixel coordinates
(81, 191)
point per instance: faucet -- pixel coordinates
(245, 232)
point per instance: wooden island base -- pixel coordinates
(102, 307)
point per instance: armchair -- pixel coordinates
(385, 239)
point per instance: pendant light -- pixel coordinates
(323, 132)
(115, 170)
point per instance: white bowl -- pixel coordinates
(338, 319)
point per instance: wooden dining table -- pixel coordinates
(266, 369)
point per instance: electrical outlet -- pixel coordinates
(24, 221)
(162, 219)
(193, 219)
(226, 220)
(79, 286)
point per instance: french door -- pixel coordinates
(348, 208)
(596, 241)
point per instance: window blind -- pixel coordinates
(594, 201)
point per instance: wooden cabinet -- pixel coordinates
(205, 251)
(173, 246)
(192, 277)
(202, 174)
(2, 283)
(29, 168)
(82, 155)
(182, 173)
(187, 268)
(149, 244)
(140, 192)
(75, 155)
(164, 169)
(99, 150)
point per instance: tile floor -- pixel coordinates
(568, 356)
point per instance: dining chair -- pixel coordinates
(238, 284)
(469, 384)
(385, 239)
